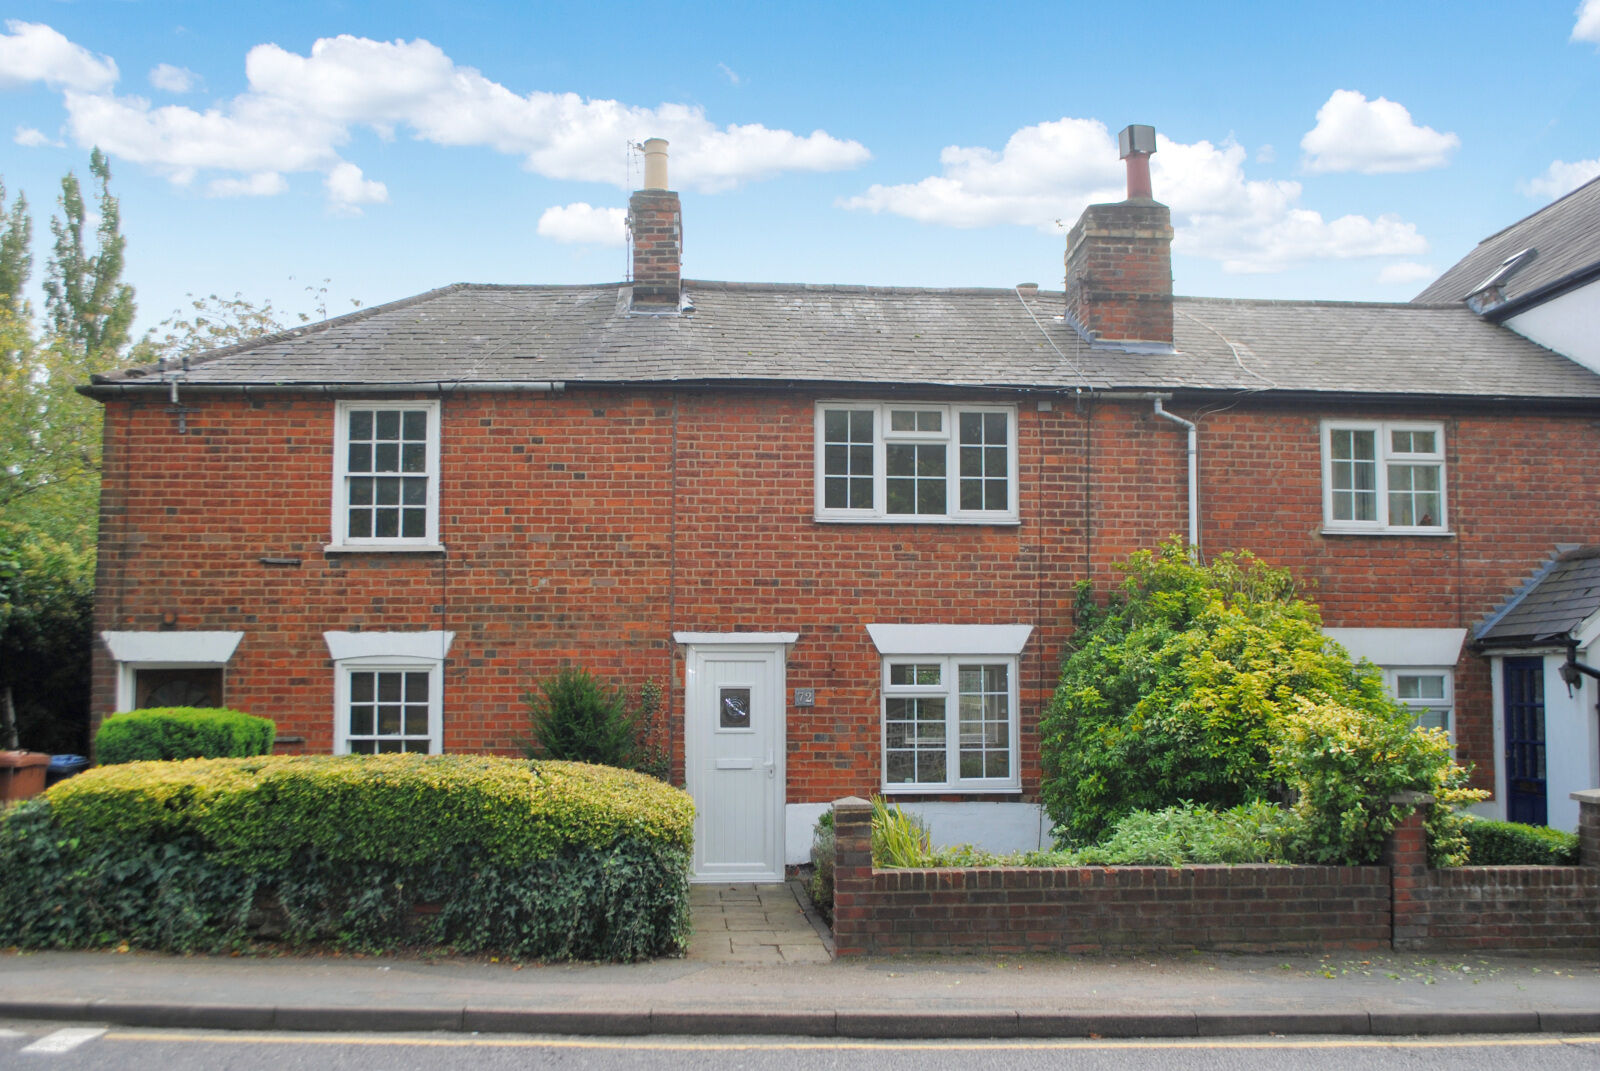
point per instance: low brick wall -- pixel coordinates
(1538, 908)
(1400, 903)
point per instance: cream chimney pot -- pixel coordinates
(655, 164)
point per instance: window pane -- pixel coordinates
(985, 710)
(386, 424)
(386, 457)
(835, 425)
(414, 457)
(923, 673)
(414, 523)
(1354, 473)
(360, 424)
(389, 687)
(361, 491)
(416, 425)
(414, 490)
(360, 457)
(360, 524)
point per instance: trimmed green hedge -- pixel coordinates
(1514, 844)
(182, 733)
(543, 860)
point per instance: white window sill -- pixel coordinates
(993, 522)
(383, 548)
(948, 790)
(1435, 533)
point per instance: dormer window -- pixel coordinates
(916, 462)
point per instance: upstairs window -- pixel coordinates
(386, 475)
(916, 462)
(1383, 477)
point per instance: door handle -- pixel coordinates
(772, 768)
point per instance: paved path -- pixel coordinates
(759, 925)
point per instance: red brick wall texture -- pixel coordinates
(587, 526)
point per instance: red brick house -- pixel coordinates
(840, 525)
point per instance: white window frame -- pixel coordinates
(949, 690)
(1447, 703)
(342, 540)
(882, 437)
(388, 652)
(1384, 456)
(951, 646)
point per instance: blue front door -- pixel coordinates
(1524, 720)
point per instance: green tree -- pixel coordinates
(1191, 683)
(46, 616)
(90, 308)
(16, 253)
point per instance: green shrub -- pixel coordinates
(1183, 687)
(544, 860)
(1189, 833)
(898, 838)
(822, 859)
(575, 717)
(1344, 764)
(182, 733)
(1514, 844)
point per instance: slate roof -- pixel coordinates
(1552, 606)
(750, 332)
(1566, 233)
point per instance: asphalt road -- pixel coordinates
(69, 1047)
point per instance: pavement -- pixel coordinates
(760, 963)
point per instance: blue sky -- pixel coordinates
(1345, 151)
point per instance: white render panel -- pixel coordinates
(1401, 646)
(202, 648)
(950, 639)
(995, 827)
(1565, 324)
(726, 638)
(1571, 740)
(347, 645)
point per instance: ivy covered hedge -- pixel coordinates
(540, 860)
(182, 733)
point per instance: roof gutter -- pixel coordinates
(116, 390)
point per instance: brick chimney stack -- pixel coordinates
(655, 222)
(1119, 260)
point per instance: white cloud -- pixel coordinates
(348, 190)
(173, 79)
(1561, 177)
(1266, 155)
(300, 110)
(582, 223)
(729, 73)
(1406, 273)
(261, 184)
(33, 52)
(1587, 28)
(1373, 137)
(30, 138)
(1051, 171)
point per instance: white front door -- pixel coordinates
(733, 750)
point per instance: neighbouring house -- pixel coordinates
(1540, 276)
(841, 525)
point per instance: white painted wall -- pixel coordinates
(1566, 324)
(995, 827)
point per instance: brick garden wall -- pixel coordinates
(1400, 904)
